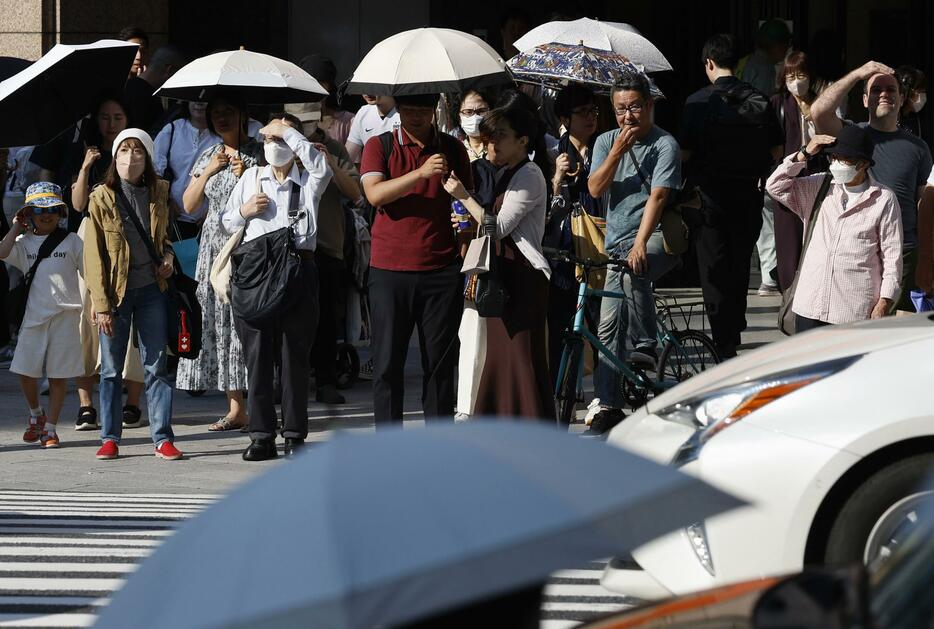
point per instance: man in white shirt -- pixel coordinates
(262, 201)
(371, 121)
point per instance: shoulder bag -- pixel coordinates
(183, 311)
(267, 271)
(674, 231)
(786, 318)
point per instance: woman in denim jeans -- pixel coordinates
(127, 287)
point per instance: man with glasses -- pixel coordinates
(415, 276)
(638, 167)
(902, 161)
(730, 138)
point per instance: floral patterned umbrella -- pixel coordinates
(556, 65)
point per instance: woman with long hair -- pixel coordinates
(126, 214)
(515, 380)
(220, 365)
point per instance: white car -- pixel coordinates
(827, 435)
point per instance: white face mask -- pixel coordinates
(277, 153)
(471, 125)
(917, 104)
(798, 87)
(843, 173)
(130, 167)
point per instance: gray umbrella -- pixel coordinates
(386, 529)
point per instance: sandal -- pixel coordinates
(224, 424)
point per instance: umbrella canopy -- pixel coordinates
(387, 528)
(257, 78)
(617, 37)
(556, 65)
(428, 61)
(50, 95)
(12, 65)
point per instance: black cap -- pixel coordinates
(320, 67)
(853, 142)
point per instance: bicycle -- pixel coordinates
(685, 352)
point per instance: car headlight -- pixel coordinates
(713, 411)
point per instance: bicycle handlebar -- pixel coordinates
(562, 255)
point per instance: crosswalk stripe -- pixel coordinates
(63, 553)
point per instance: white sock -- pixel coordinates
(35, 413)
(50, 429)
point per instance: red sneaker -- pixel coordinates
(168, 451)
(34, 431)
(49, 440)
(108, 451)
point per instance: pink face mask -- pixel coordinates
(130, 166)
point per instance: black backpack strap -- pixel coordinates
(385, 140)
(50, 244)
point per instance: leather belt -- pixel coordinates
(306, 254)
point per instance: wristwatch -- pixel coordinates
(804, 151)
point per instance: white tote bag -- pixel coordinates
(477, 259)
(472, 335)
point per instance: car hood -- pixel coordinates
(822, 344)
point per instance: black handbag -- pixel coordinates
(183, 312)
(267, 272)
(491, 296)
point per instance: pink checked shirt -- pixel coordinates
(855, 255)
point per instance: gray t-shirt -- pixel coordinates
(902, 163)
(142, 272)
(658, 155)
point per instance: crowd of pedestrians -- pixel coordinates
(838, 213)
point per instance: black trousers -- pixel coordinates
(400, 301)
(324, 351)
(285, 340)
(803, 324)
(726, 237)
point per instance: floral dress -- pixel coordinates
(220, 365)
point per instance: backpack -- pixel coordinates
(736, 134)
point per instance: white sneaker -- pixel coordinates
(460, 418)
(366, 370)
(768, 290)
(592, 409)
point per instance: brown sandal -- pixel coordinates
(223, 425)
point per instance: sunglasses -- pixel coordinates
(39, 211)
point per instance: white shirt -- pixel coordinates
(931, 178)
(522, 214)
(368, 124)
(188, 143)
(313, 180)
(55, 286)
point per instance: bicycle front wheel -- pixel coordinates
(687, 354)
(566, 399)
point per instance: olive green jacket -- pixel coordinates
(106, 250)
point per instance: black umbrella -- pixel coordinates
(50, 95)
(12, 65)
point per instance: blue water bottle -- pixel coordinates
(460, 210)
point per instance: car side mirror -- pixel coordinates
(816, 599)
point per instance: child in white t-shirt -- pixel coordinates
(49, 339)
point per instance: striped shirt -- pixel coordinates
(854, 257)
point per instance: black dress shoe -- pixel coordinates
(260, 450)
(293, 446)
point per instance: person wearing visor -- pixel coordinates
(851, 267)
(48, 339)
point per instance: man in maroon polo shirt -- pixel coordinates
(414, 266)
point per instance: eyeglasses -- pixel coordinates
(54, 209)
(634, 109)
(586, 111)
(478, 111)
(796, 75)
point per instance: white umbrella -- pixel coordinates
(428, 61)
(621, 38)
(256, 78)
